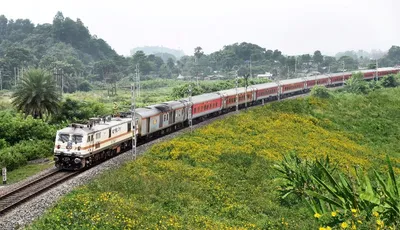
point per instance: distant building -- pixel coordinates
(313, 73)
(267, 75)
(214, 77)
(180, 77)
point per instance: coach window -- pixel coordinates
(98, 135)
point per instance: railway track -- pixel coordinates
(21, 194)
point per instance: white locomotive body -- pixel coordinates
(78, 146)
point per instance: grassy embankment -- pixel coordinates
(221, 176)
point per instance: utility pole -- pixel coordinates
(343, 73)
(376, 72)
(237, 95)
(133, 122)
(15, 76)
(279, 89)
(190, 107)
(137, 81)
(62, 82)
(251, 74)
(246, 76)
(295, 66)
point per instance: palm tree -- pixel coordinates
(37, 94)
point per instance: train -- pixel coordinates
(82, 145)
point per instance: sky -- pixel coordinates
(292, 26)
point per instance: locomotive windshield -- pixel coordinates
(63, 137)
(77, 139)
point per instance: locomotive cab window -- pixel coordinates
(63, 138)
(77, 139)
(98, 135)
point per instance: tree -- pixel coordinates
(85, 86)
(170, 63)
(37, 94)
(198, 52)
(350, 63)
(318, 58)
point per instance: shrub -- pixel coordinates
(356, 84)
(3, 144)
(389, 81)
(73, 110)
(24, 151)
(321, 92)
(14, 128)
(85, 86)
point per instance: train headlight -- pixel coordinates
(58, 146)
(77, 160)
(79, 148)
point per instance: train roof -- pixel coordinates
(323, 76)
(265, 85)
(174, 104)
(291, 81)
(205, 97)
(147, 112)
(82, 129)
(230, 92)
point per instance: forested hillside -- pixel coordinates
(66, 47)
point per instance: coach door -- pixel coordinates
(162, 117)
(91, 143)
(171, 117)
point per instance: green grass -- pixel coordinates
(221, 176)
(27, 171)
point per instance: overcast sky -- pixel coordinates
(292, 26)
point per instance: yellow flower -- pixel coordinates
(328, 228)
(353, 210)
(344, 225)
(379, 223)
(333, 214)
(317, 215)
(322, 228)
(359, 221)
(376, 214)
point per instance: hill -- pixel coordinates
(65, 44)
(158, 50)
(222, 177)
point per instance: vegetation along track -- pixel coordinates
(33, 188)
(29, 190)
